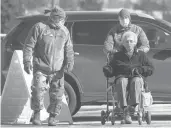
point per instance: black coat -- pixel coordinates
(123, 65)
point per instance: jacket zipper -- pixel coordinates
(54, 51)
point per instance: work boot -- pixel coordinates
(126, 117)
(52, 121)
(36, 118)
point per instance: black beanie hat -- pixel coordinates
(124, 13)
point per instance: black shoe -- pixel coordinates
(36, 118)
(52, 121)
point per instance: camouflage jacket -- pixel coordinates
(52, 49)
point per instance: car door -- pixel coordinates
(13, 41)
(160, 53)
(88, 38)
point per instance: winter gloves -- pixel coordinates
(133, 71)
(107, 70)
(28, 67)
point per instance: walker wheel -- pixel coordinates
(148, 117)
(113, 118)
(103, 116)
(140, 118)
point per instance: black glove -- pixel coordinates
(69, 67)
(28, 67)
(59, 74)
(107, 70)
(136, 71)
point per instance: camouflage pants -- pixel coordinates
(40, 87)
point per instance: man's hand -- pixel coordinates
(107, 70)
(28, 67)
(135, 72)
(113, 51)
(69, 67)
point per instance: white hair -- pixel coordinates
(129, 34)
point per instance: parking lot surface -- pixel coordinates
(89, 117)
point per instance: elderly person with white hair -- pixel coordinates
(129, 67)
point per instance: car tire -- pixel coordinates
(78, 108)
(72, 97)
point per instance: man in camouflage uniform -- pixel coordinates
(51, 48)
(112, 43)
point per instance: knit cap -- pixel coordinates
(124, 14)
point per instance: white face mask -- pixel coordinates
(62, 22)
(57, 21)
(124, 21)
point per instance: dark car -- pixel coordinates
(87, 84)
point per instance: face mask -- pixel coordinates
(62, 22)
(56, 21)
(124, 21)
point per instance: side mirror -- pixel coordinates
(2, 36)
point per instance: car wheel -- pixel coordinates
(70, 97)
(78, 108)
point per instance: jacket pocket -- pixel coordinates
(42, 65)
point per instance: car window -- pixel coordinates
(91, 32)
(20, 38)
(22, 33)
(16, 39)
(157, 38)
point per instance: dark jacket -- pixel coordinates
(123, 65)
(49, 47)
(111, 45)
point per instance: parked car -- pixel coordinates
(87, 84)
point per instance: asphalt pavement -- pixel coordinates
(89, 117)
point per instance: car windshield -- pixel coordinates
(17, 38)
(165, 24)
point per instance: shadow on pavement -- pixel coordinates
(97, 118)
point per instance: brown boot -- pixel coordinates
(36, 118)
(52, 121)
